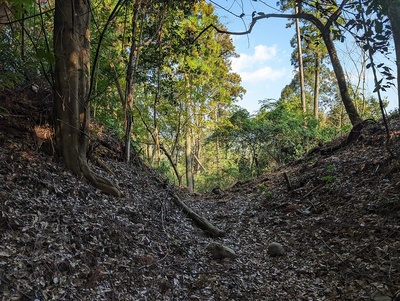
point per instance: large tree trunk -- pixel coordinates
(72, 70)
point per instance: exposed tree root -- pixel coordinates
(101, 183)
(354, 135)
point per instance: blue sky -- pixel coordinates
(264, 54)
(264, 61)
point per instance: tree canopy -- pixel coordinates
(158, 75)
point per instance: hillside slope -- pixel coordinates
(339, 225)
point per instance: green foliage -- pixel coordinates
(184, 88)
(25, 54)
(164, 168)
(11, 65)
(289, 131)
(373, 34)
(391, 200)
(329, 177)
(277, 134)
(264, 191)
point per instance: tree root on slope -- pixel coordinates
(101, 183)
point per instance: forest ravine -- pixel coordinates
(338, 222)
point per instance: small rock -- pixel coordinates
(275, 249)
(3, 195)
(381, 297)
(219, 251)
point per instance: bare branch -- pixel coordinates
(304, 16)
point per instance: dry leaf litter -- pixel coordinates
(337, 225)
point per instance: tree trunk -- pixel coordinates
(316, 85)
(130, 74)
(189, 161)
(351, 110)
(188, 140)
(301, 69)
(392, 7)
(174, 166)
(201, 221)
(72, 78)
(156, 102)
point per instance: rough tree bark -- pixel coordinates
(72, 80)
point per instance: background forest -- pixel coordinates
(164, 83)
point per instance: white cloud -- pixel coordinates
(253, 67)
(261, 54)
(262, 74)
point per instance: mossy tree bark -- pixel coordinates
(72, 80)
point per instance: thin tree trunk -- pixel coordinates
(217, 150)
(171, 161)
(364, 81)
(301, 69)
(23, 38)
(316, 85)
(130, 74)
(189, 161)
(360, 86)
(188, 141)
(119, 88)
(156, 101)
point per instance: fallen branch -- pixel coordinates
(202, 222)
(311, 191)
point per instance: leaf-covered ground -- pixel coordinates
(61, 239)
